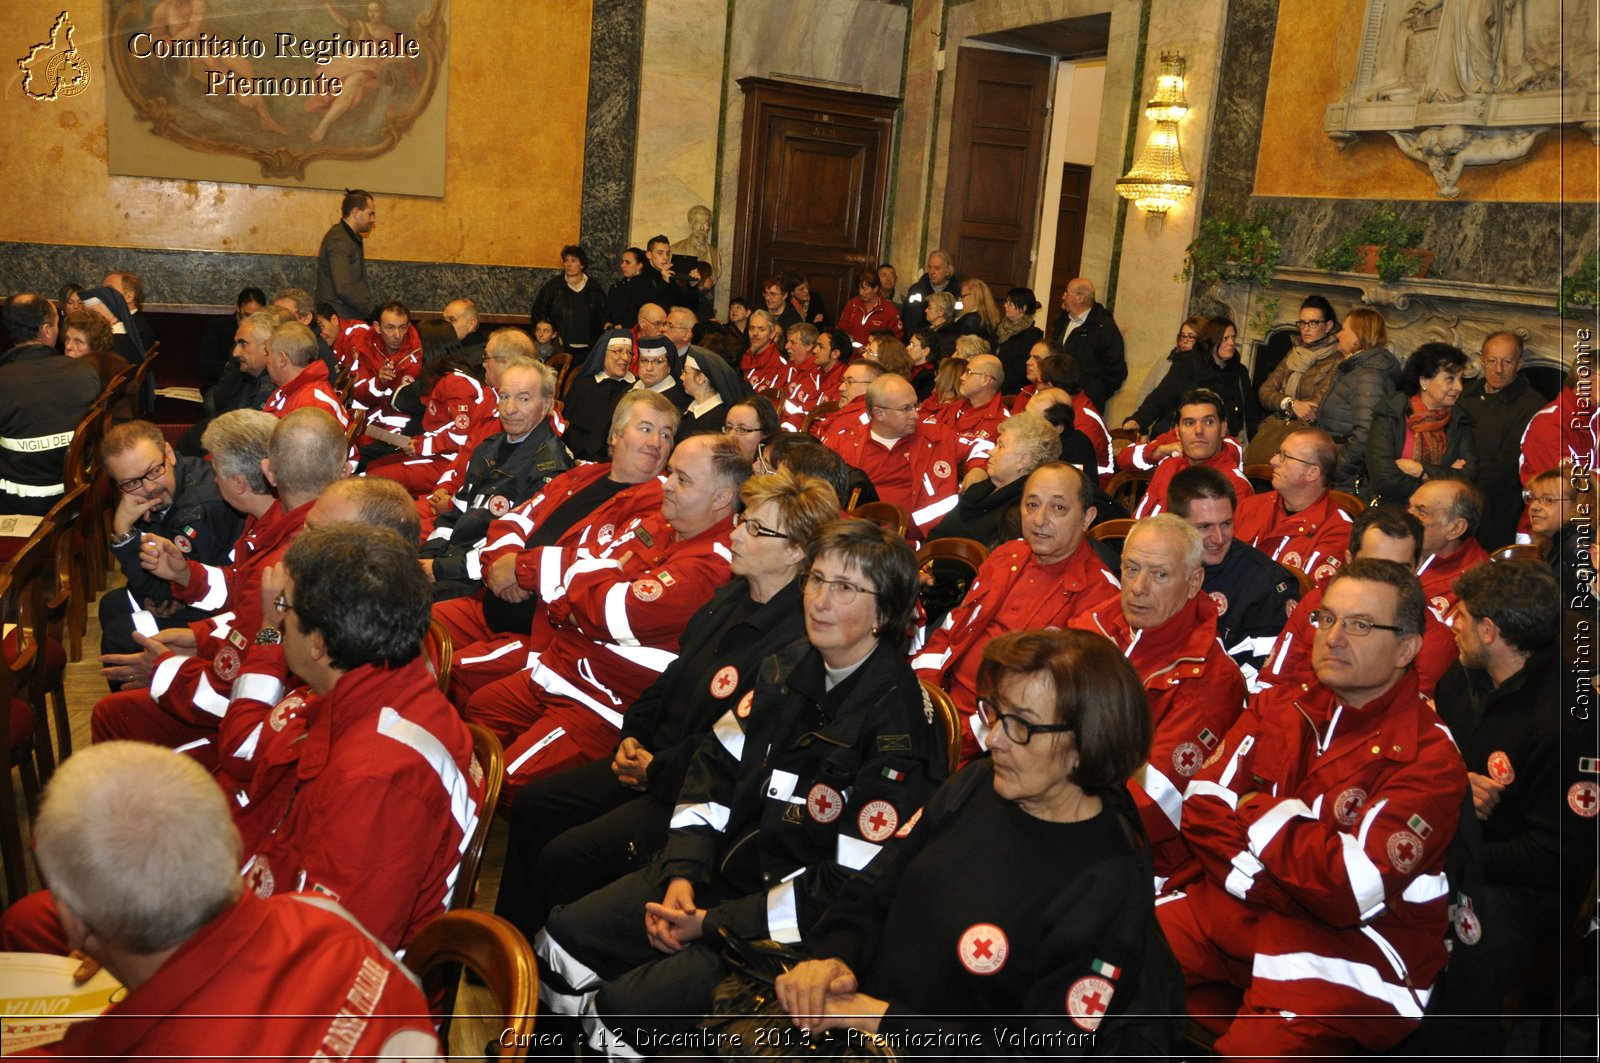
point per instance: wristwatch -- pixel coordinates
(119, 541)
(269, 636)
(1287, 405)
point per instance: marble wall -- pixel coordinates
(492, 236)
(1520, 244)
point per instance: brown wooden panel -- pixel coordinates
(813, 184)
(997, 135)
(1073, 212)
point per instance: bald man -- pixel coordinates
(981, 410)
(1087, 331)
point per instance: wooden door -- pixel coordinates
(997, 135)
(1073, 212)
(813, 184)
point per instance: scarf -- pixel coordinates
(1428, 427)
(1299, 359)
(1008, 328)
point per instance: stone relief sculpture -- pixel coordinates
(698, 242)
(1459, 83)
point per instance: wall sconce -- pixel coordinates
(1158, 180)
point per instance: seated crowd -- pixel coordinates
(1290, 723)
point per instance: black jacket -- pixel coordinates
(801, 773)
(1386, 442)
(1498, 422)
(578, 316)
(202, 525)
(1096, 346)
(43, 396)
(914, 311)
(1194, 369)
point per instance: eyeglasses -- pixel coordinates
(977, 372)
(1188, 336)
(756, 528)
(1311, 324)
(1286, 456)
(283, 605)
(1018, 730)
(740, 429)
(1357, 627)
(844, 592)
(1547, 501)
(855, 383)
(653, 361)
(151, 476)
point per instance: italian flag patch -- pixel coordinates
(1108, 970)
(1420, 825)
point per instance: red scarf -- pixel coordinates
(1427, 426)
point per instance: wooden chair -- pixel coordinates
(493, 949)
(84, 466)
(358, 428)
(1112, 531)
(1307, 584)
(343, 382)
(1348, 502)
(142, 379)
(561, 362)
(949, 720)
(1260, 477)
(1123, 435)
(116, 390)
(491, 760)
(886, 515)
(23, 598)
(1506, 553)
(65, 615)
(1128, 486)
(950, 566)
(818, 412)
(439, 649)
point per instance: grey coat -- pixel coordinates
(1362, 382)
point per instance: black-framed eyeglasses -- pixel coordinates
(756, 528)
(282, 604)
(151, 475)
(844, 592)
(1357, 627)
(741, 429)
(1018, 730)
(1311, 324)
(1286, 456)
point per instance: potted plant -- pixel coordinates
(1232, 248)
(1385, 244)
(1581, 288)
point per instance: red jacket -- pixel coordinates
(310, 388)
(455, 411)
(1565, 430)
(367, 794)
(611, 619)
(1289, 663)
(982, 422)
(1012, 592)
(921, 472)
(372, 393)
(510, 533)
(1195, 692)
(1339, 859)
(1227, 461)
(852, 416)
(765, 369)
(1313, 540)
(277, 979)
(198, 689)
(860, 322)
(1438, 573)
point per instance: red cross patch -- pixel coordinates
(646, 590)
(983, 948)
(1500, 769)
(824, 803)
(877, 820)
(1186, 758)
(606, 532)
(1324, 572)
(285, 711)
(725, 682)
(743, 709)
(1292, 559)
(1440, 606)
(226, 664)
(1088, 1000)
(1405, 850)
(462, 421)
(1468, 928)
(183, 542)
(1347, 806)
(258, 876)
(1221, 600)
(1584, 798)
(942, 469)
(499, 505)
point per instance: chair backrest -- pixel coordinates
(949, 719)
(948, 568)
(818, 412)
(1506, 553)
(83, 463)
(1348, 502)
(561, 362)
(493, 949)
(886, 515)
(439, 650)
(23, 592)
(1128, 486)
(1112, 531)
(969, 552)
(140, 376)
(1124, 435)
(492, 762)
(71, 573)
(358, 426)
